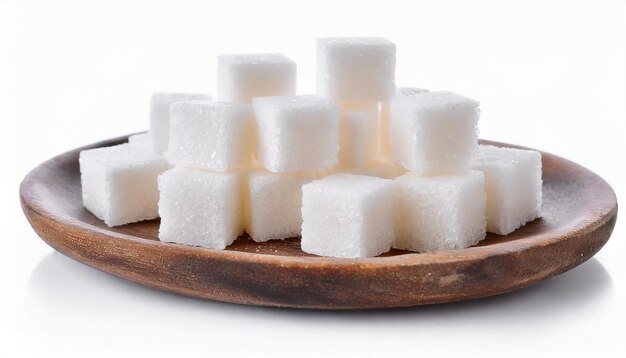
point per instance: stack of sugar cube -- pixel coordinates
(359, 168)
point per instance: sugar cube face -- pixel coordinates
(434, 132)
(242, 77)
(513, 186)
(141, 141)
(200, 208)
(119, 184)
(160, 115)
(384, 142)
(211, 135)
(296, 132)
(357, 138)
(273, 204)
(356, 69)
(347, 216)
(439, 212)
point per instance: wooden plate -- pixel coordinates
(580, 210)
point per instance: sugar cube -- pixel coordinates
(160, 116)
(243, 77)
(119, 183)
(384, 142)
(434, 132)
(512, 184)
(357, 138)
(211, 135)
(273, 204)
(347, 216)
(200, 207)
(354, 69)
(296, 132)
(439, 212)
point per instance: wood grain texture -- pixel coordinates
(580, 210)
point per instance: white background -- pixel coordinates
(549, 75)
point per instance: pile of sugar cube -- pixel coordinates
(360, 168)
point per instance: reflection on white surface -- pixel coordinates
(76, 297)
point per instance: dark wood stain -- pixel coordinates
(580, 210)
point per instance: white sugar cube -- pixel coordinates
(273, 204)
(296, 132)
(513, 186)
(200, 208)
(160, 116)
(384, 142)
(356, 69)
(434, 132)
(243, 77)
(347, 216)
(211, 135)
(357, 138)
(439, 212)
(119, 184)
